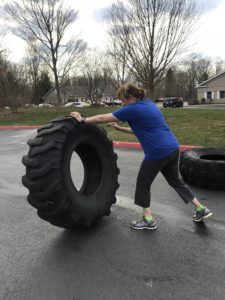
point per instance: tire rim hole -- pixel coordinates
(77, 171)
(85, 169)
(213, 157)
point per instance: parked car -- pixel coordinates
(112, 102)
(159, 100)
(173, 102)
(28, 105)
(77, 104)
(44, 105)
(117, 101)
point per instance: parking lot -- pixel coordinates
(180, 260)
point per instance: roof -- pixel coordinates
(49, 92)
(204, 82)
(72, 91)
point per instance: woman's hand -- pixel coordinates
(114, 125)
(76, 115)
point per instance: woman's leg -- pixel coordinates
(196, 203)
(147, 173)
(171, 173)
(147, 212)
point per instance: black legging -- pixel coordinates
(169, 167)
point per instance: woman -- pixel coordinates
(160, 147)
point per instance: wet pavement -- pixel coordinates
(180, 260)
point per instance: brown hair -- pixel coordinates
(130, 89)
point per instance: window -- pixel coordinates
(222, 94)
(209, 95)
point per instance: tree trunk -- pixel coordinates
(14, 109)
(57, 87)
(150, 90)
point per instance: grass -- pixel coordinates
(205, 127)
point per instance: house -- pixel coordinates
(212, 90)
(109, 95)
(67, 94)
(76, 94)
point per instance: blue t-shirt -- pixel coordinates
(148, 124)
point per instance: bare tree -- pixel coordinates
(151, 34)
(219, 65)
(197, 70)
(204, 68)
(181, 79)
(170, 83)
(33, 61)
(96, 75)
(14, 87)
(46, 22)
(118, 62)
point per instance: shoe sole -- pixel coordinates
(205, 217)
(148, 228)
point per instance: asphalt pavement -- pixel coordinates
(180, 260)
(202, 106)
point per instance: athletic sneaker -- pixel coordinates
(144, 224)
(202, 214)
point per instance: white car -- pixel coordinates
(28, 105)
(76, 104)
(43, 105)
(117, 101)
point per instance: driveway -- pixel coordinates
(207, 106)
(180, 260)
(203, 106)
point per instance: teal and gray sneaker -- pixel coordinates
(202, 214)
(144, 224)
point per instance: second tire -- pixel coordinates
(204, 167)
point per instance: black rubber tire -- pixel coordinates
(48, 176)
(204, 167)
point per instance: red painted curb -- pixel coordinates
(118, 144)
(19, 127)
(185, 147)
(127, 145)
(138, 146)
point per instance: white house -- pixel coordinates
(212, 90)
(76, 94)
(67, 94)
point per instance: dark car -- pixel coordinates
(112, 102)
(172, 102)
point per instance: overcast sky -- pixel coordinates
(208, 38)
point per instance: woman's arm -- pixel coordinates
(120, 128)
(104, 118)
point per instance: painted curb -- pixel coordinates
(138, 146)
(118, 144)
(132, 145)
(18, 127)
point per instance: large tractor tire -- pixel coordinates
(49, 179)
(204, 167)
